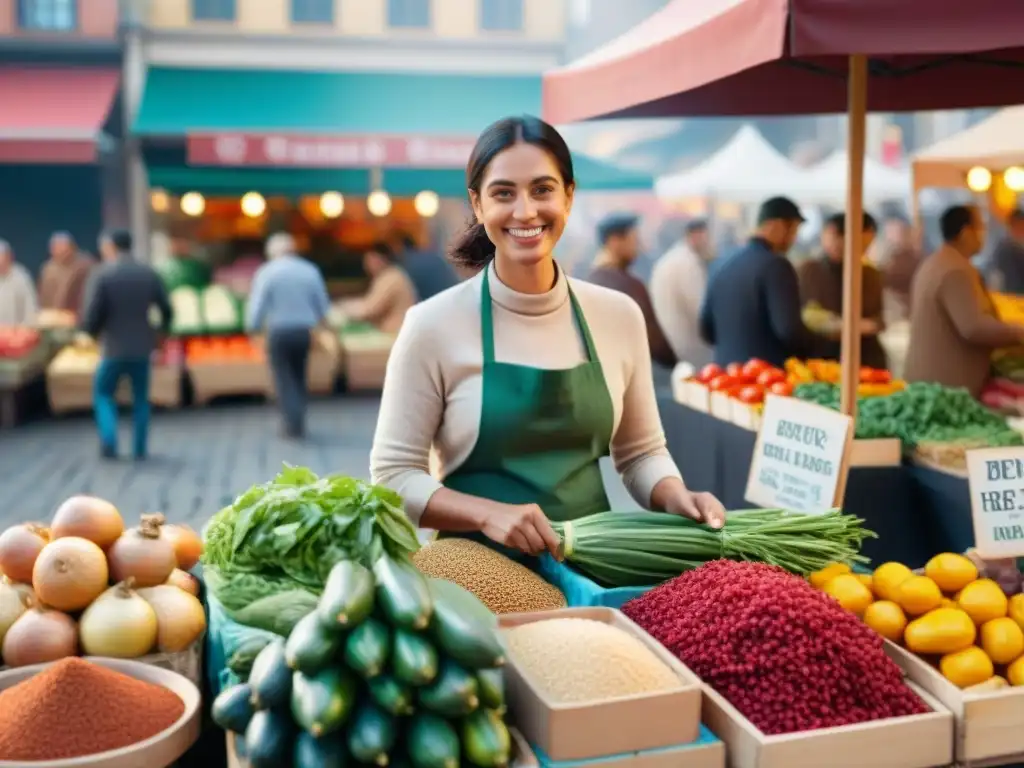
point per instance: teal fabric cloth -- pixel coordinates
(223, 638)
(581, 591)
(677, 754)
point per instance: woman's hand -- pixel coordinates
(671, 496)
(521, 526)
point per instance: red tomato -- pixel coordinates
(721, 383)
(751, 395)
(781, 388)
(769, 376)
(874, 376)
(709, 372)
(735, 370)
(754, 368)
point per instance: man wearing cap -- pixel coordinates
(752, 305)
(620, 247)
(678, 282)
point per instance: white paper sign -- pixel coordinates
(801, 456)
(996, 478)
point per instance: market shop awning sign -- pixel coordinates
(996, 480)
(295, 151)
(801, 457)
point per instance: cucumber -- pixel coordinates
(311, 646)
(232, 710)
(270, 679)
(453, 692)
(491, 688)
(403, 593)
(328, 752)
(241, 660)
(371, 734)
(431, 742)
(269, 739)
(321, 703)
(464, 627)
(413, 659)
(347, 598)
(391, 695)
(367, 648)
(486, 740)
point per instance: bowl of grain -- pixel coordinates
(97, 713)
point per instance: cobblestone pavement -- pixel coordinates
(200, 459)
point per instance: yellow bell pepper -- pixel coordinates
(798, 373)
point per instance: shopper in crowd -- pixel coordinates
(821, 285)
(17, 293)
(1007, 271)
(390, 295)
(677, 285)
(953, 324)
(288, 301)
(64, 275)
(116, 311)
(429, 272)
(520, 378)
(898, 259)
(752, 304)
(620, 247)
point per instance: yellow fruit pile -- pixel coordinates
(966, 623)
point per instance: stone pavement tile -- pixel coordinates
(201, 459)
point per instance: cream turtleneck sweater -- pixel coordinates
(432, 391)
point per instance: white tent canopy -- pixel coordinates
(996, 143)
(825, 183)
(746, 170)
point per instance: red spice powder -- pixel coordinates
(75, 708)
(788, 657)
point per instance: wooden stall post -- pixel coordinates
(854, 252)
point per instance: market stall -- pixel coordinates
(826, 182)
(24, 353)
(365, 353)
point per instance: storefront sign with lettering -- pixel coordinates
(996, 477)
(297, 151)
(801, 456)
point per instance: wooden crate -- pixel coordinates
(989, 726)
(883, 452)
(228, 378)
(696, 396)
(366, 359)
(746, 416)
(72, 392)
(916, 741)
(579, 731)
(720, 406)
(321, 373)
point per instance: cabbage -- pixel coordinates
(188, 319)
(221, 310)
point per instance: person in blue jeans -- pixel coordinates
(119, 296)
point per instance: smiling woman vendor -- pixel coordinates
(520, 378)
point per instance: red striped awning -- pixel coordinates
(54, 115)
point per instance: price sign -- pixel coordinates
(801, 456)
(996, 478)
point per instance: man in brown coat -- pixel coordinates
(64, 275)
(953, 325)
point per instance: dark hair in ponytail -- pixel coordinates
(473, 248)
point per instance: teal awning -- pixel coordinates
(181, 101)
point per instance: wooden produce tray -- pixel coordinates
(989, 725)
(720, 406)
(579, 731)
(693, 394)
(746, 416)
(365, 359)
(882, 452)
(227, 378)
(72, 392)
(915, 741)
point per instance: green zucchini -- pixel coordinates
(371, 734)
(311, 646)
(232, 710)
(413, 659)
(491, 688)
(486, 740)
(367, 648)
(464, 627)
(432, 742)
(327, 752)
(453, 692)
(403, 593)
(321, 703)
(391, 695)
(241, 660)
(347, 598)
(269, 739)
(271, 678)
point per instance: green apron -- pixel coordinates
(542, 432)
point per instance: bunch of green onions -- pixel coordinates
(638, 549)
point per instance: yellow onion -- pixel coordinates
(70, 573)
(184, 581)
(12, 606)
(180, 617)
(20, 545)
(143, 554)
(38, 636)
(119, 624)
(88, 518)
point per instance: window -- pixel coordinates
(47, 15)
(313, 11)
(213, 10)
(501, 15)
(411, 14)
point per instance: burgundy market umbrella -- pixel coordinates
(781, 57)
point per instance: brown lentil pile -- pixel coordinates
(75, 708)
(502, 585)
